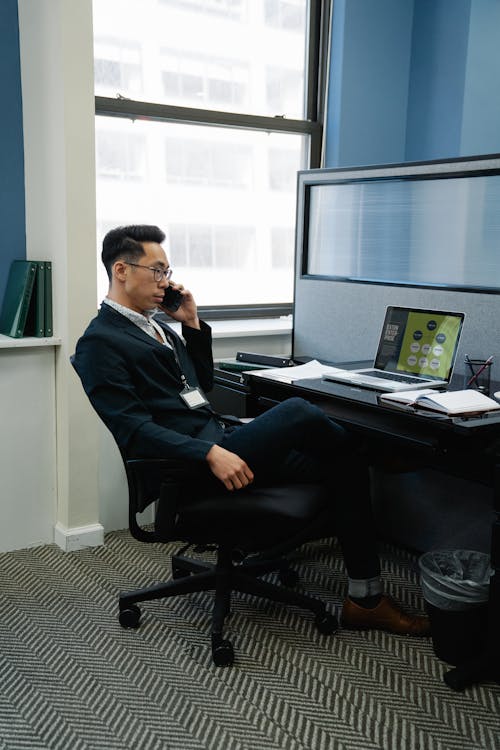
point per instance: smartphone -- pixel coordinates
(172, 299)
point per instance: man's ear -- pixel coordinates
(120, 270)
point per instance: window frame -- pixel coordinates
(318, 21)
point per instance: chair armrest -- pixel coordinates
(174, 467)
(146, 475)
(151, 480)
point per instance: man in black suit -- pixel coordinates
(148, 387)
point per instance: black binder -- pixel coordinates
(269, 360)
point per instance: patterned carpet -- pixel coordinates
(72, 678)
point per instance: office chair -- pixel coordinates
(247, 529)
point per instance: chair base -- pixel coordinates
(256, 566)
(225, 577)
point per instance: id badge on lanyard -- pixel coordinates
(193, 397)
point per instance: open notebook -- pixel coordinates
(451, 402)
(417, 349)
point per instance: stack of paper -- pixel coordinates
(312, 369)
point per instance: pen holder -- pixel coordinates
(478, 375)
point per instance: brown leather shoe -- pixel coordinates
(385, 616)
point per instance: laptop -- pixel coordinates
(417, 349)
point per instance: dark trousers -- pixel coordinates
(296, 442)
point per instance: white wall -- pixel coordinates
(28, 438)
(58, 120)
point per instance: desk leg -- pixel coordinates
(487, 666)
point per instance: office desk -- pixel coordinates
(398, 440)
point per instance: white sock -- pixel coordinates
(359, 588)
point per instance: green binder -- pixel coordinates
(35, 322)
(48, 298)
(234, 365)
(17, 297)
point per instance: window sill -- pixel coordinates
(224, 329)
(239, 328)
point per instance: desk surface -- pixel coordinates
(360, 406)
(364, 397)
(367, 397)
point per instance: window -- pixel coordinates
(192, 161)
(120, 155)
(281, 177)
(285, 14)
(197, 81)
(282, 247)
(117, 66)
(230, 8)
(205, 111)
(212, 246)
(284, 91)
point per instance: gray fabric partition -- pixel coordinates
(341, 321)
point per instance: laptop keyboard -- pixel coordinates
(392, 376)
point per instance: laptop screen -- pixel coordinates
(419, 342)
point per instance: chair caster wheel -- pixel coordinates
(326, 623)
(288, 577)
(222, 653)
(129, 617)
(455, 681)
(178, 573)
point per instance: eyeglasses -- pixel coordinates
(158, 273)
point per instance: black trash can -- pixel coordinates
(455, 585)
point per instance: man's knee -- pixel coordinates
(308, 416)
(301, 410)
(300, 405)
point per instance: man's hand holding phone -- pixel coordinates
(179, 304)
(172, 299)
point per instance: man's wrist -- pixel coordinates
(193, 323)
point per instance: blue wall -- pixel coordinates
(437, 79)
(481, 119)
(12, 202)
(368, 87)
(412, 80)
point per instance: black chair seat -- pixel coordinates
(249, 519)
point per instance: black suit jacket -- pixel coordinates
(133, 382)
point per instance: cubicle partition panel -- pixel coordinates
(341, 322)
(421, 235)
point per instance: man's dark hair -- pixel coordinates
(125, 243)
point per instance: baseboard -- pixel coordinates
(78, 537)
